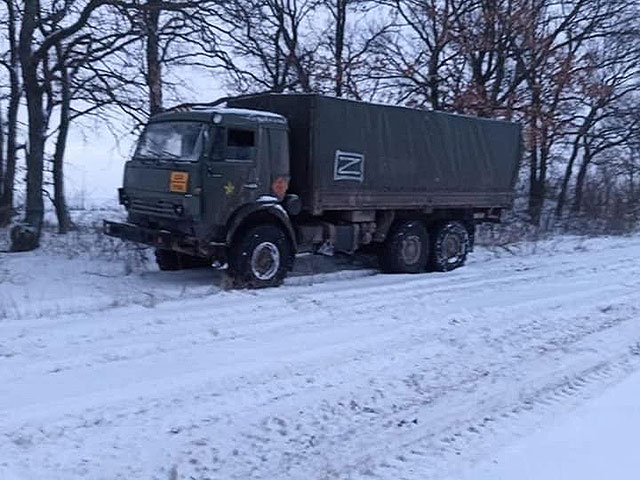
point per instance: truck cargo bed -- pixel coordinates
(354, 155)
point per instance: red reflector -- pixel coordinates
(279, 187)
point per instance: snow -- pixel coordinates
(110, 369)
(251, 113)
(598, 440)
(267, 199)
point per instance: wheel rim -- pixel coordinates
(411, 249)
(265, 261)
(452, 248)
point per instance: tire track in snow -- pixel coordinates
(230, 306)
(448, 407)
(180, 343)
(232, 410)
(515, 418)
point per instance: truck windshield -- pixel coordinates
(182, 141)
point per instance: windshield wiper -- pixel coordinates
(167, 154)
(162, 155)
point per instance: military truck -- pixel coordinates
(252, 184)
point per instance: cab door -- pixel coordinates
(230, 178)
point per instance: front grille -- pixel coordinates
(158, 207)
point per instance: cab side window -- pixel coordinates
(241, 144)
(240, 138)
(233, 144)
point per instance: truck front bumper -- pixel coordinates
(160, 238)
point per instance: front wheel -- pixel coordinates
(449, 246)
(260, 256)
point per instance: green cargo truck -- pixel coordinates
(267, 176)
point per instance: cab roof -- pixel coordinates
(236, 116)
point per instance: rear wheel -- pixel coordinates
(406, 248)
(168, 260)
(449, 246)
(261, 256)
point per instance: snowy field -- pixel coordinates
(110, 369)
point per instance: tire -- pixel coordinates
(406, 248)
(449, 246)
(261, 256)
(168, 260)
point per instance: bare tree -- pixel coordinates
(1, 150)
(548, 58)
(266, 44)
(154, 67)
(165, 34)
(540, 62)
(621, 129)
(415, 58)
(59, 199)
(608, 80)
(34, 47)
(349, 45)
(11, 63)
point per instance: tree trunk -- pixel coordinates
(536, 201)
(1, 151)
(8, 181)
(562, 196)
(434, 79)
(27, 237)
(59, 200)
(536, 185)
(539, 161)
(340, 19)
(582, 175)
(154, 68)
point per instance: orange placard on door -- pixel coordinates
(178, 182)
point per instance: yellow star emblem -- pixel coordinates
(229, 188)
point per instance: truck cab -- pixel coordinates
(198, 176)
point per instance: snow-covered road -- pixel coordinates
(599, 440)
(345, 375)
